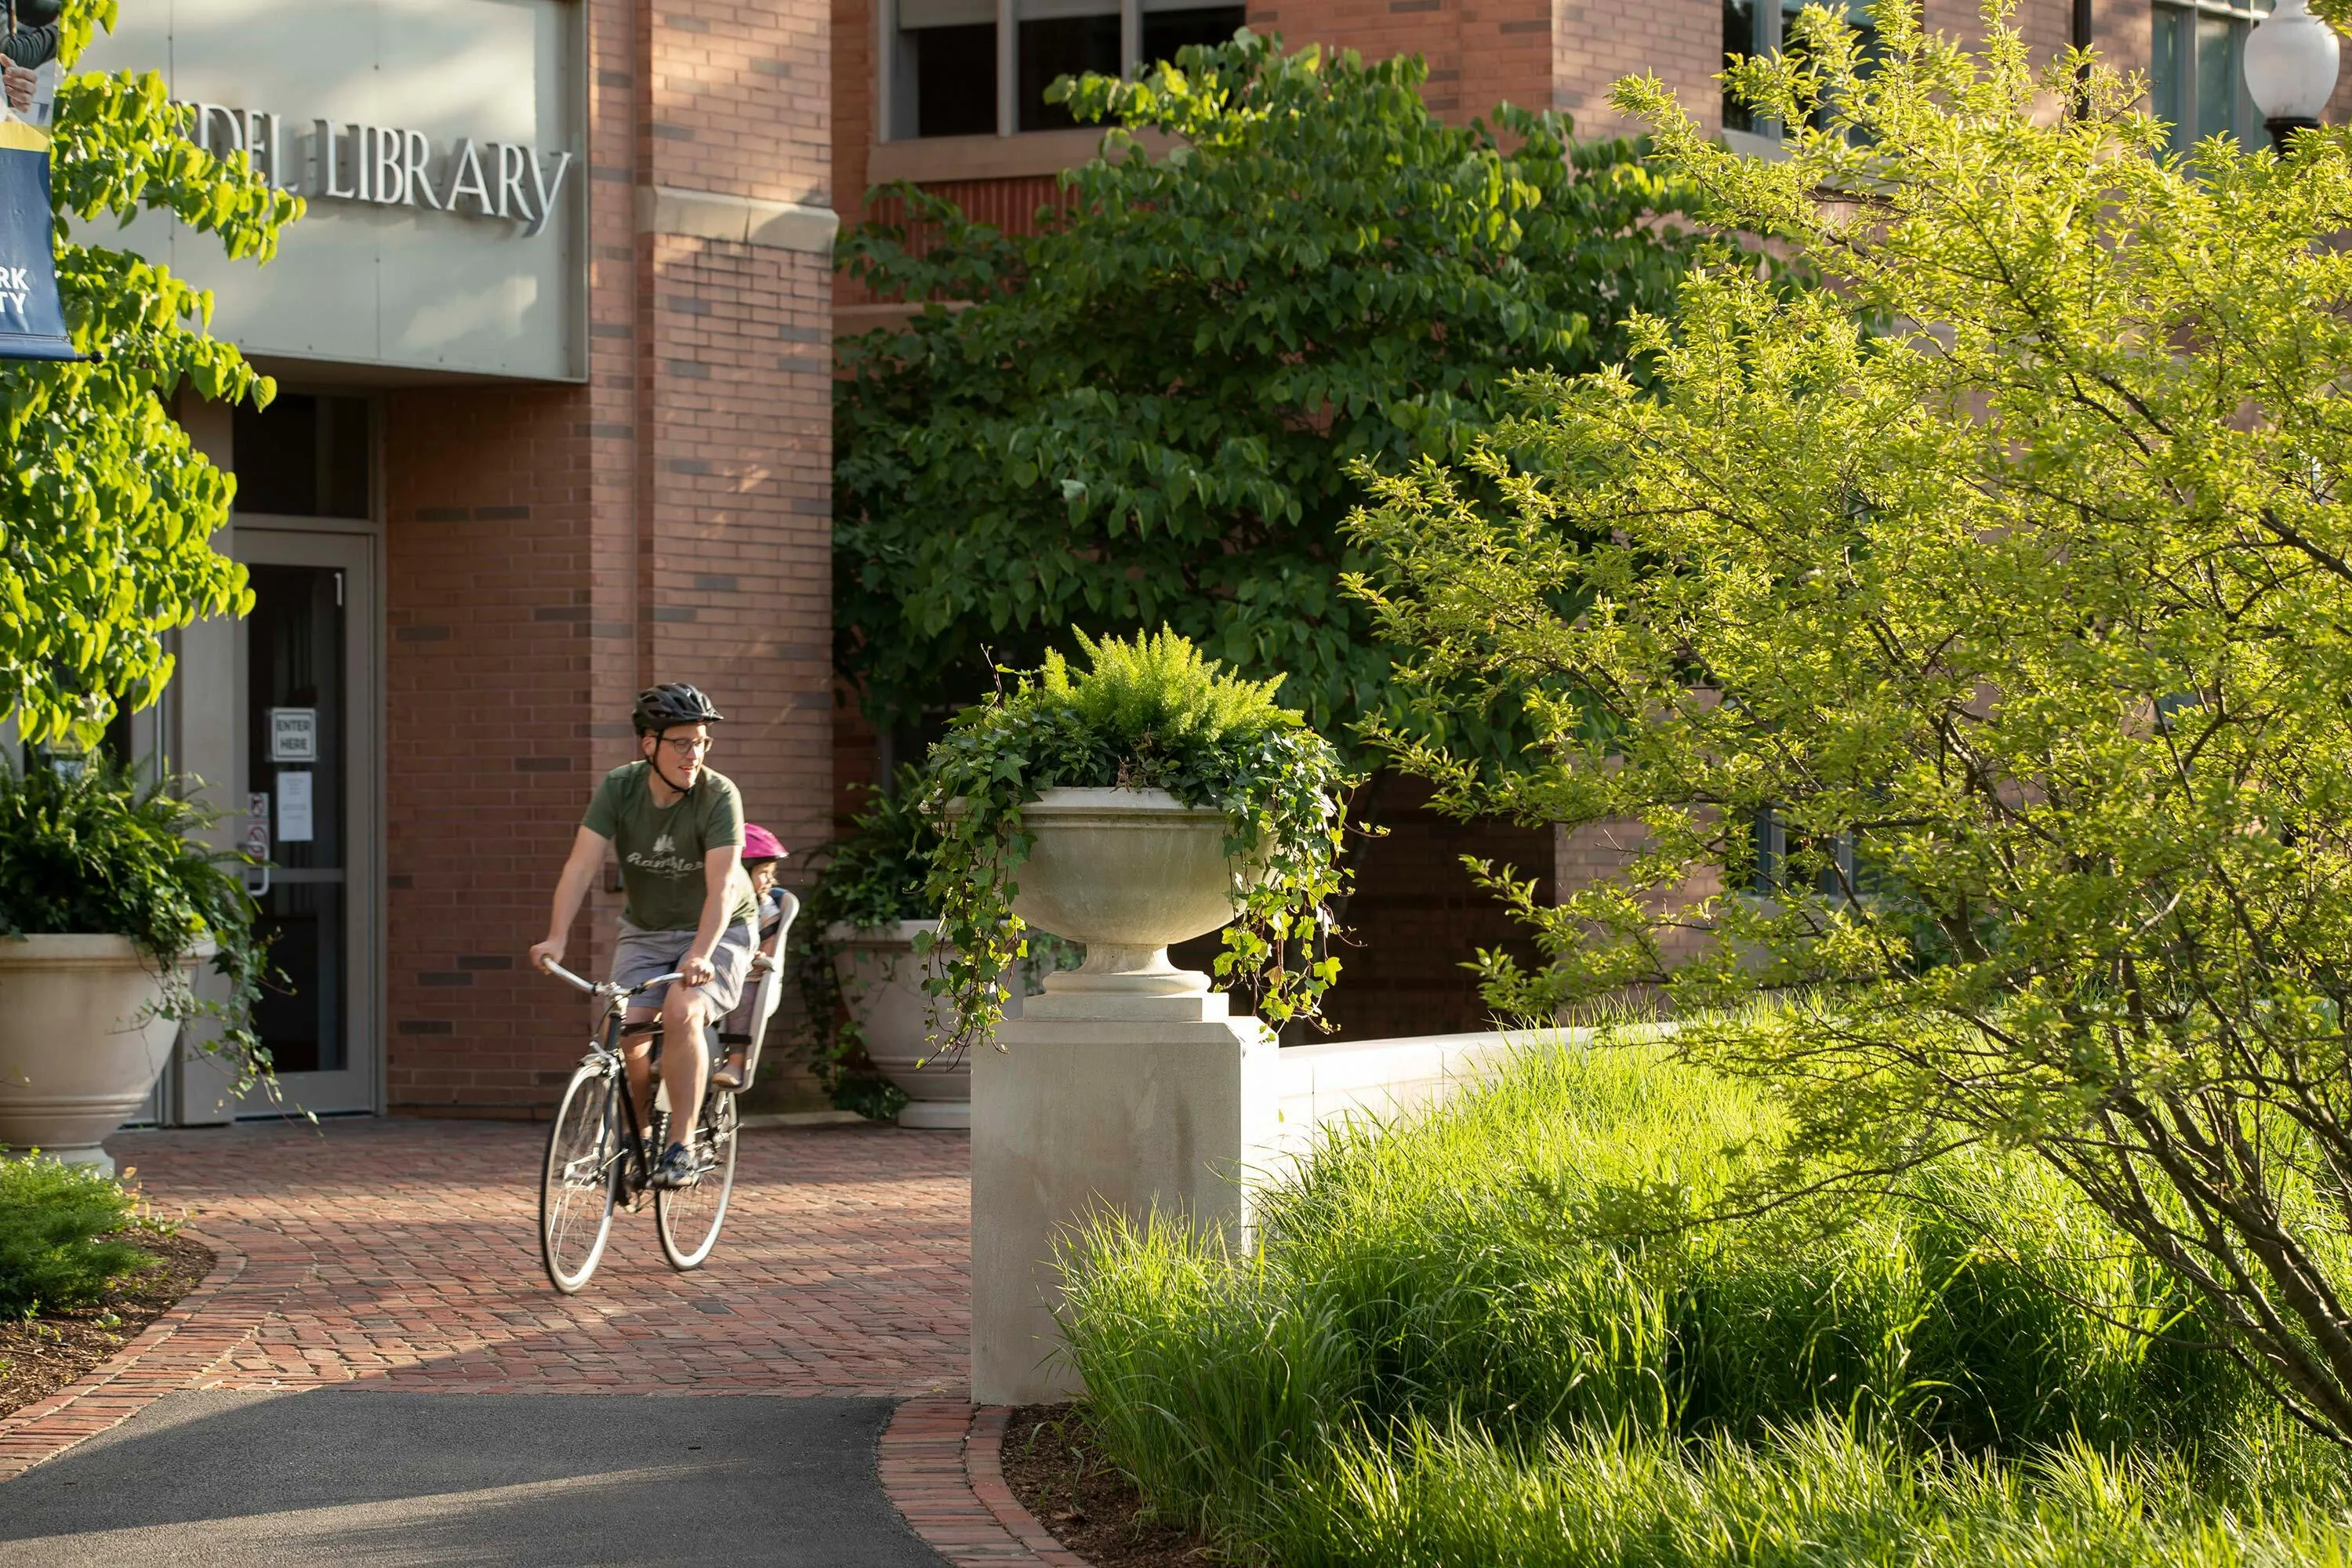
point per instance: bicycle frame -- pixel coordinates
(605, 1049)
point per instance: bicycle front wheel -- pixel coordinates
(689, 1217)
(579, 1180)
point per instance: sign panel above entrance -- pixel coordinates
(438, 146)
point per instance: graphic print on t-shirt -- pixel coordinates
(661, 848)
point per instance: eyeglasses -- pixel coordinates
(689, 745)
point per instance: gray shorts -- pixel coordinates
(641, 955)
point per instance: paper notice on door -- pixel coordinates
(293, 807)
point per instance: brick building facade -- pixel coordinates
(551, 552)
(510, 534)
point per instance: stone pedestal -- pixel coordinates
(1119, 1102)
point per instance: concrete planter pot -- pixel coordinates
(81, 1043)
(883, 980)
(1127, 872)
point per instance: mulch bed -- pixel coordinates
(1054, 1466)
(41, 1356)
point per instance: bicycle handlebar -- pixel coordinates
(608, 988)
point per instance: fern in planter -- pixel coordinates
(1152, 713)
(84, 850)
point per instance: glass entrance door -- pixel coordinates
(307, 791)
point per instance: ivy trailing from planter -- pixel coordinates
(84, 850)
(1152, 713)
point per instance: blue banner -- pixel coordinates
(32, 322)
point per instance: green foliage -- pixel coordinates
(1147, 714)
(84, 850)
(51, 1214)
(1493, 1333)
(107, 508)
(2009, 577)
(1145, 415)
(871, 876)
(1159, 694)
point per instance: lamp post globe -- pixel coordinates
(2292, 57)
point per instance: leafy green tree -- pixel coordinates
(107, 509)
(2006, 586)
(1144, 415)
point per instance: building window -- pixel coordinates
(1838, 870)
(1062, 37)
(1749, 31)
(1165, 32)
(2197, 77)
(303, 456)
(943, 70)
(947, 77)
(1758, 27)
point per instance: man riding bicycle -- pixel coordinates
(678, 829)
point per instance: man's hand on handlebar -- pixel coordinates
(543, 954)
(696, 969)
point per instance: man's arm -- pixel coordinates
(31, 47)
(719, 897)
(588, 848)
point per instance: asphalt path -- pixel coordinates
(344, 1476)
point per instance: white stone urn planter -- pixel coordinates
(883, 982)
(81, 1041)
(1127, 872)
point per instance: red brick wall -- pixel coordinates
(1417, 918)
(552, 549)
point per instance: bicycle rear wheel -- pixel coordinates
(689, 1217)
(577, 1184)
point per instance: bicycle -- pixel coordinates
(599, 1156)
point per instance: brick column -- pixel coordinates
(553, 549)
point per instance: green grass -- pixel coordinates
(51, 1215)
(1468, 1339)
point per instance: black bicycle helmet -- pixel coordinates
(667, 707)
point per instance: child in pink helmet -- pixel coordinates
(763, 857)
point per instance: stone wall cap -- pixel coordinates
(745, 220)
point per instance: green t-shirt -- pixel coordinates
(661, 847)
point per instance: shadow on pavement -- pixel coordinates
(344, 1475)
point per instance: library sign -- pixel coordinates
(385, 166)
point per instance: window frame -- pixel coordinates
(2246, 121)
(1008, 65)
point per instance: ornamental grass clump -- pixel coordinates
(1501, 1333)
(1147, 714)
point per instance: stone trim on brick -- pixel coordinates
(707, 215)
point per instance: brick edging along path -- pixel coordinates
(941, 1468)
(172, 1353)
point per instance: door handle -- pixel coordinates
(262, 891)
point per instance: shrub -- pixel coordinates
(51, 1214)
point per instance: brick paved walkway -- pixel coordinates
(403, 1255)
(407, 1255)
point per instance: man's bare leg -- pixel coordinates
(636, 1053)
(685, 1062)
